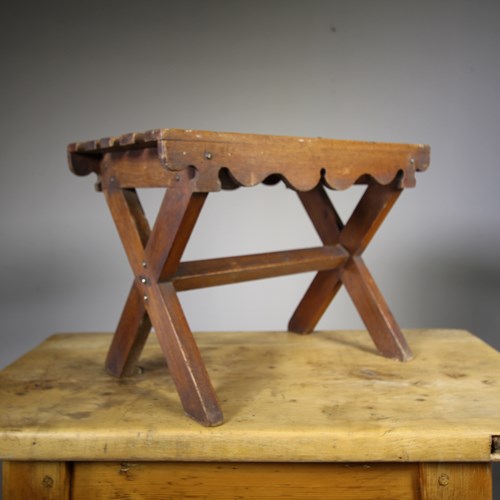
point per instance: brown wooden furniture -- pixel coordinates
(191, 164)
(317, 417)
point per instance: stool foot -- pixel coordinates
(374, 311)
(130, 336)
(184, 361)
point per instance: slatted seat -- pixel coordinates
(190, 165)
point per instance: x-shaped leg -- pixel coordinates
(354, 237)
(154, 256)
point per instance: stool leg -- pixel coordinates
(323, 215)
(326, 284)
(374, 311)
(153, 259)
(183, 357)
(134, 325)
(315, 302)
(367, 217)
(130, 336)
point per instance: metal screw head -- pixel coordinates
(412, 161)
(144, 263)
(48, 482)
(208, 155)
(145, 298)
(143, 280)
(444, 479)
(177, 177)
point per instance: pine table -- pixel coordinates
(318, 416)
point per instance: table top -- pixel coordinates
(324, 397)
(224, 160)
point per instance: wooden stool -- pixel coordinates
(191, 164)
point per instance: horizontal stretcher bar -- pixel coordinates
(222, 271)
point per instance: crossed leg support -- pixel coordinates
(154, 256)
(354, 237)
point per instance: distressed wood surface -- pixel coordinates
(227, 160)
(325, 397)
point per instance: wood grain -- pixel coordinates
(451, 481)
(325, 397)
(213, 272)
(155, 481)
(36, 480)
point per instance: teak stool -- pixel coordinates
(190, 164)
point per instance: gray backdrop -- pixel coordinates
(399, 71)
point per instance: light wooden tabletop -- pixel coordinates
(324, 397)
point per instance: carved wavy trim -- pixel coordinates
(225, 160)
